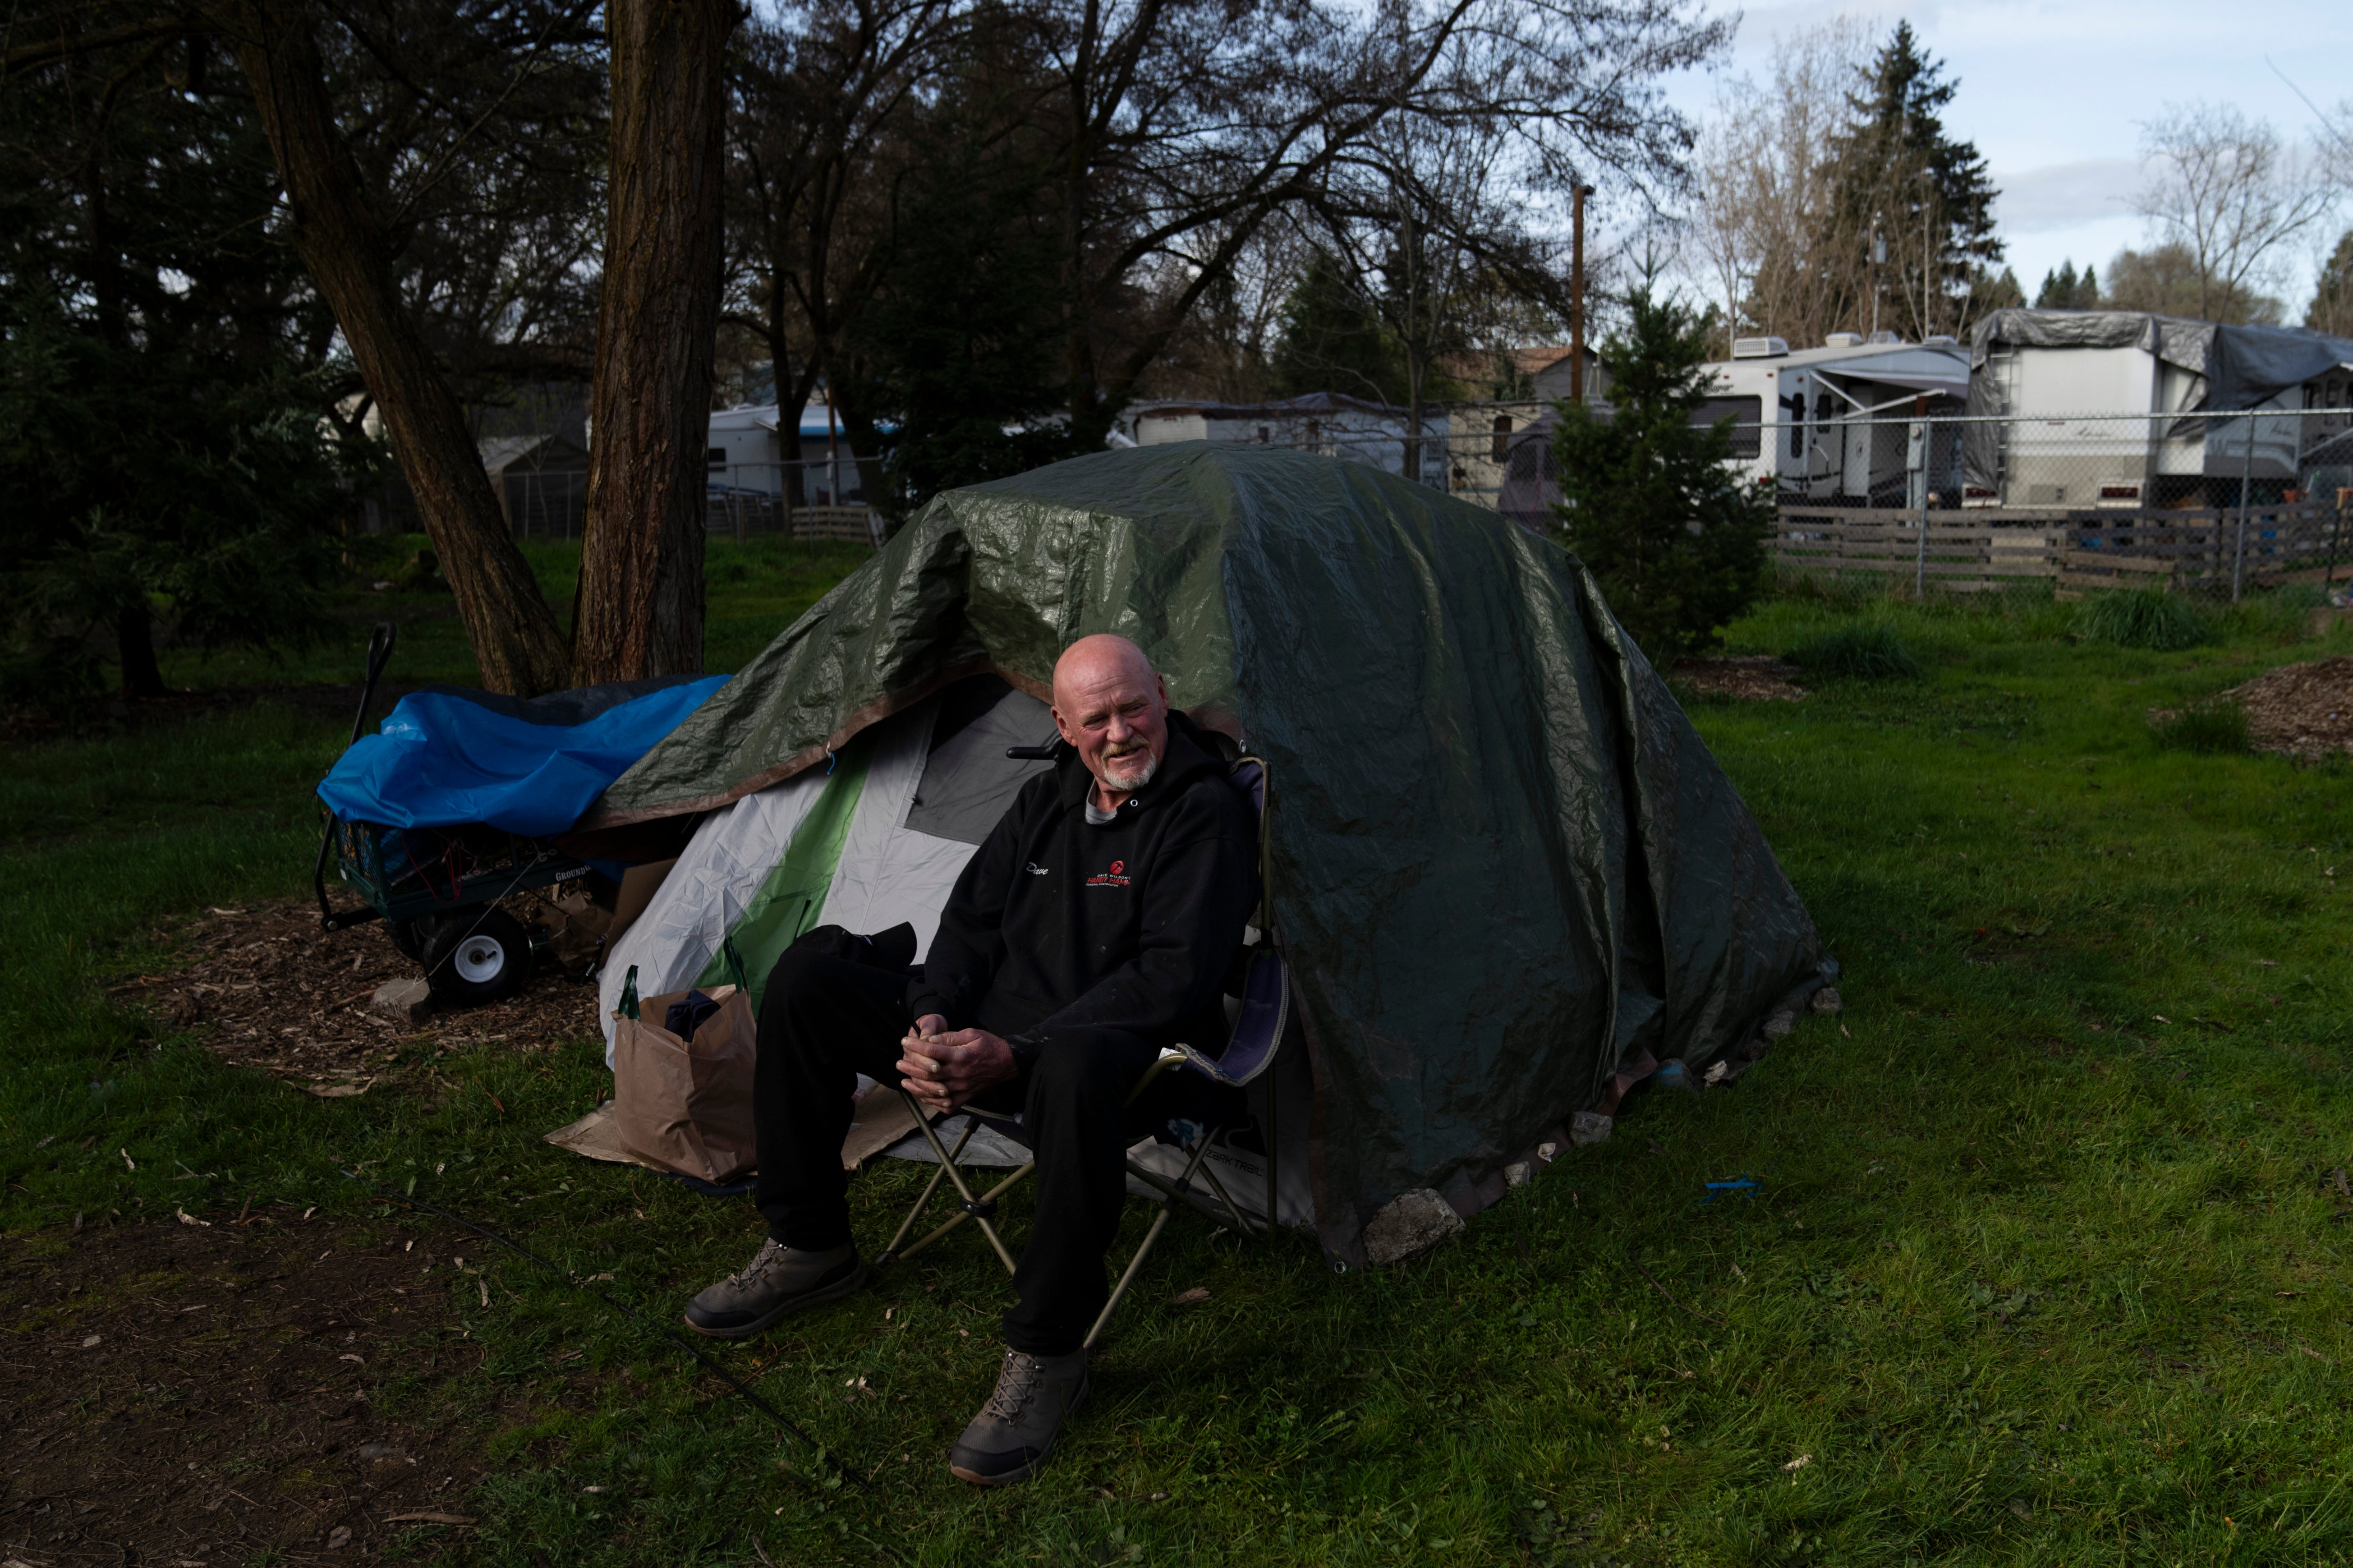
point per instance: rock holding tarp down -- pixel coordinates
(1508, 875)
(1412, 1223)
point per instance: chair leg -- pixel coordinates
(977, 1209)
(1271, 1135)
(891, 1253)
(1143, 1249)
(988, 1198)
(1232, 1211)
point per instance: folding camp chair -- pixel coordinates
(1258, 1032)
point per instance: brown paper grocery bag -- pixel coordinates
(686, 1105)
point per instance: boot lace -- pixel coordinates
(765, 1259)
(1017, 1384)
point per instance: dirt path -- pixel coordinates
(182, 1394)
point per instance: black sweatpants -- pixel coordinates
(823, 1020)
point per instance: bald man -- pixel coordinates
(1094, 927)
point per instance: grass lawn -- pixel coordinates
(2046, 1260)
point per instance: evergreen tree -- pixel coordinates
(165, 390)
(149, 485)
(1332, 339)
(1674, 536)
(957, 363)
(2332, 302)
(1988, 293)
(1899, 174)
(2063, 290)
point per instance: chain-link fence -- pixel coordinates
(2212, 506)
(793, 500)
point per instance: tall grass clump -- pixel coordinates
(1862, 651)
(2216, 728)
(2140, 617)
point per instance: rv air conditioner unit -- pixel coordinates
(1759, 348)
(1883, 336)
(1843, 341)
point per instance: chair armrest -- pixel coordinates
(1259, 1031)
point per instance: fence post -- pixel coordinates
(2335, 530)
(2246, 500)
(1922, 435)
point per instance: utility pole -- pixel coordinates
(1576, 296)
(1926, 262)
(1878, 256)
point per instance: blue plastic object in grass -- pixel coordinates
(1671, 1074)
(1744, 1186)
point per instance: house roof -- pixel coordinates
(1473, 364)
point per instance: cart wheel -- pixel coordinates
(476, 956)
(409, 937)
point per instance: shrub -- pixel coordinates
(2140, 617)
(2217, 728)
(1676, 540)
(1867, 650)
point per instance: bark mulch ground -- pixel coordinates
(1749, 677)
(2301, 709)
(182, 1394)
(274, 992)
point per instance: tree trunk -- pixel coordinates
(518, 645)
(134, 638)
(640, 607)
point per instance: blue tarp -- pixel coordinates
(447, 756)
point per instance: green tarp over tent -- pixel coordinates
(1508, 874)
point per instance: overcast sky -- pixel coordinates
(2052, 92)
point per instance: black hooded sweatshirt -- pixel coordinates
(1059, 923)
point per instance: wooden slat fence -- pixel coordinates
(1977, 549)
(742, 512)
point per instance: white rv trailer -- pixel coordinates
(2049, 376)
(750, 452)
(1333, 423)
(1832, 424)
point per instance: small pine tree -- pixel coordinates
(2332, 302)
(1675, 536)
(2063, 290)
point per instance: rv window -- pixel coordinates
(716, 457)
(1748, 414)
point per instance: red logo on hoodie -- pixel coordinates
(1114, 878)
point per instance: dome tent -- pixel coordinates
(1507, 874)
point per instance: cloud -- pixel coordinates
(2066, 196)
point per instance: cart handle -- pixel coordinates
(379, 653)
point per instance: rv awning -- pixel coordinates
(1912, 381)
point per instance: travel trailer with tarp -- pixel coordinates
(1833, 423)
(1508, 876)
(2063, 377)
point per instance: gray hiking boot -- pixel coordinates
(1016, 1429)
(778, 1281)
